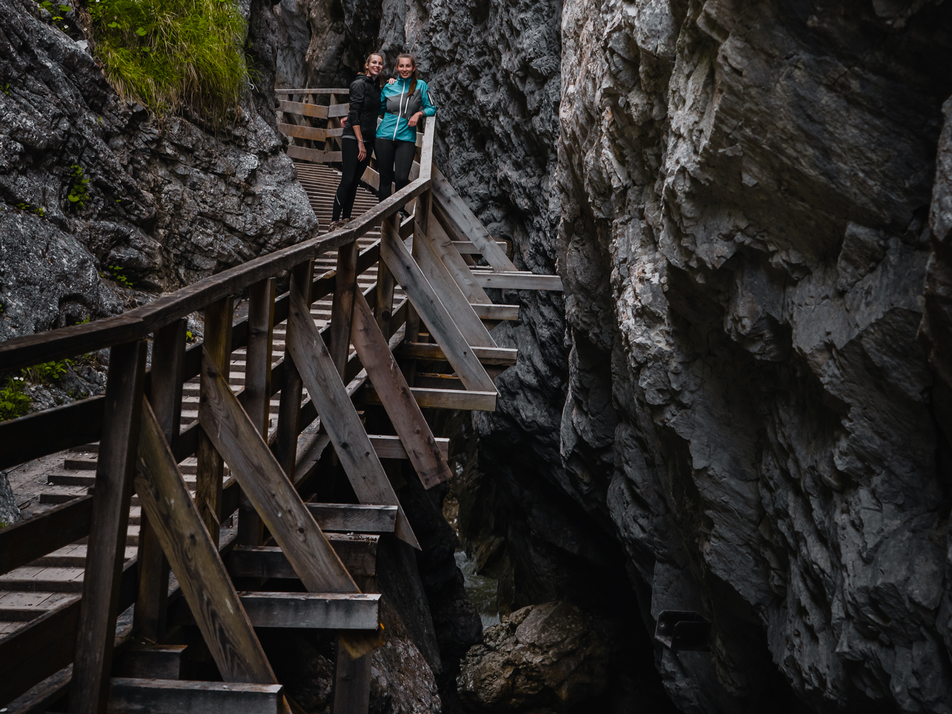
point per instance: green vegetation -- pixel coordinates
(47, 372)
(78, 181)
(172, 54)
(30, 208)
(119, 276)
(14, 402)
(58, 13)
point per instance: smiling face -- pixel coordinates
(374, 65)
(405, 67)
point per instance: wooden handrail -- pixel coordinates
(142, 321)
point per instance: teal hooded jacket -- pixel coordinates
(398, 105)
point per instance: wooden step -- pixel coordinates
(354, 518)
(358, 553)
(491, 311)
(311, 611)
(461, 399)
(390, 447)
(431, 351)
(170, 696)
(517, 280)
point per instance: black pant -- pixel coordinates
(394, 160)
(353, 170)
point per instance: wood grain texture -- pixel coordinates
(355, 517)
(434, 313)
(487, 355)
(496, 312)
(394, 392)
(518, 281)
(105, 549)
(345, 290)
(454, 263)
(269, 489)
(212, 598)
(358, 553)
(289, 409)
(429, 398)
(314, 611)
(170, 696)
(353, 447)
(23, 542)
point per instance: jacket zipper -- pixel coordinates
(396, 126)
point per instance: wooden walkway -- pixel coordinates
(203, 465)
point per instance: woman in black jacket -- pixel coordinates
(358, 137)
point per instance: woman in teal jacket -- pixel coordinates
(404, 103)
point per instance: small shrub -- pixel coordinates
(48, 372)
(120, 277)
(168, 54)
(14, 402)
(30, 208)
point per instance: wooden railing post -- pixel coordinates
(345, 290)
(257, 389)
(165, 396)
(211, 468)
(107, 536)
(383, 304)
(285, 446)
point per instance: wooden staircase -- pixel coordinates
(279, 391)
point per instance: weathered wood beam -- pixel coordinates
(518, 281)
(355, 517)
(357, 552)
(171, 696)
(431, 351)
(466, 400)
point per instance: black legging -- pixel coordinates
(353, 170)
(394, 160)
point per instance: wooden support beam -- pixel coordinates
(466, 247)
(454, 213)
(341, 420)
(211, 468)
(394, 392)
(201, 574)
(454, 263)
(296, 131)
(357, 552)
(450, 281)
(289, 411)
(518, 281)
(106, 546)
(315, 156)
(342, 307)
(355, 517)
(165, 396)
(269, 489)
(383, 304)
(466, 400)
(496, 312)
(257, 394)
(24, 542)
(152, 661)
(168, 696)
(487, 355)
(314, 111)
(434, 313)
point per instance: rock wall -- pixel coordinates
(168, 201)
(745, 233)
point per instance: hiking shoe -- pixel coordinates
(337, 225)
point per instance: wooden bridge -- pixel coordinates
(215, 463)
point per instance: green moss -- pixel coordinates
(14, 402)
(172, 54)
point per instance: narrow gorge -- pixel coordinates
(741, 406)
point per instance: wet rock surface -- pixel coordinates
(166, 202)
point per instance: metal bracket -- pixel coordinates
(683, 630)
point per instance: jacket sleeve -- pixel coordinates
(428, 109)
(357, 95)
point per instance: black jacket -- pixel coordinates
(364, 107)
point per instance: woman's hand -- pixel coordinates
(415, 119)
(361, 151)
(392, 80)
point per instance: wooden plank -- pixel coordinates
(195, 560)
(170, 696)
(394, 392)
(355, 517)
(211, 467)
(315, 156)
(357, 552)
(352, 688)
(466, 400)
(257, 393)
(270, 490)
(49, 431)
(518, 281)
(342, 422)
(496, 312)
(43, 696)
(105, 547)
(458, 219)
(390, 447)
(297, 131)
(342, 308)
(314, 111)
(165, 396)
(430, 351)
(23, 542)
(383, 304)
(466, 247)
(434, 313)
(152, 661)
(313, 611)
(450, 284)
(319, 90)
(289, 410)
